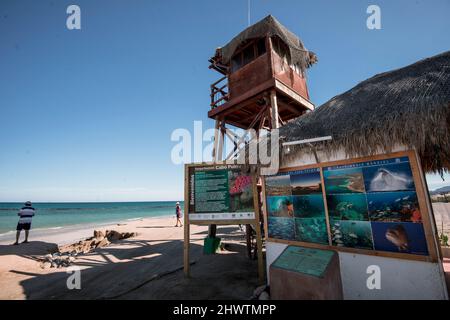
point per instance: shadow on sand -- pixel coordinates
(29, 250)
(138, 269)
(232, 233)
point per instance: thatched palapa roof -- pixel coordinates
(269, 26)
(408, 106)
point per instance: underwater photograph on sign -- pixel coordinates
(394, 207)
(392, 176)
(310, 206)
(280, 206)
(403, 237)
(280, 228)
(351, 234)
(220, 189)
(241, 191)
(348, 207)
(311, 230)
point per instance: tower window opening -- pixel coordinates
(247, 54)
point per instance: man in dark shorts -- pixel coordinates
(25, 214)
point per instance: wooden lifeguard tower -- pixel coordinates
(263, 82)
(263, 86)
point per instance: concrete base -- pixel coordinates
(291, 285)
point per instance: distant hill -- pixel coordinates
(445, 189)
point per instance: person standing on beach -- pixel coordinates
(178, 213)
(25, 214)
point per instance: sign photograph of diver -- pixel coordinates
(369, 205)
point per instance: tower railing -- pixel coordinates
(219, 92)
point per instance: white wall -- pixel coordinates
(400, 279)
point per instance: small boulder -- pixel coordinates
(259, 290)
(99, 235)
(103, 243)
(264, 296)
(113, 235)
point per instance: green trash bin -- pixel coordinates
(210, 245)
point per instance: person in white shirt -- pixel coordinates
(26, 215)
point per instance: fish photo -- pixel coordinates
(280, 206)
(306, 183)
(344, 180)
(279, 185)
(403, 237)
(348, 207)
(311, 230)
(394, 207)
(281, 228)
(389, 177)
(310, 206)
(351, 234)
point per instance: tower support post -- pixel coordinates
(274, 110)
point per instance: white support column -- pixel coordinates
(274, 110)
(216, 140)
(221, 142)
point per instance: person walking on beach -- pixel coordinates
(25, 214)
(178, 213)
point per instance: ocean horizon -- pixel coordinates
(55, 215)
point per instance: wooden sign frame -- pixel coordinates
(255, 222)
(422, 197)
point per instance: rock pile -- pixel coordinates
(261, 293)
(67, 254)
(57, 260)
(99, 240)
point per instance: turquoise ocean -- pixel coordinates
(58, 215)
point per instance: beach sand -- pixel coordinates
(148, 266)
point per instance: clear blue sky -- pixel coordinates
(87, 115)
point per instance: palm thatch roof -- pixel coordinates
(408, 106)
(269, 26)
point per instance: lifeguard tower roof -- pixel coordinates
(269, 26)
(262, 66)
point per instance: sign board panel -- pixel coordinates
(365, 205)
(220, 192)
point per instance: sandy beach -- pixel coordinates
(148, 266)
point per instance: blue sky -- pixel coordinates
(86, 115)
